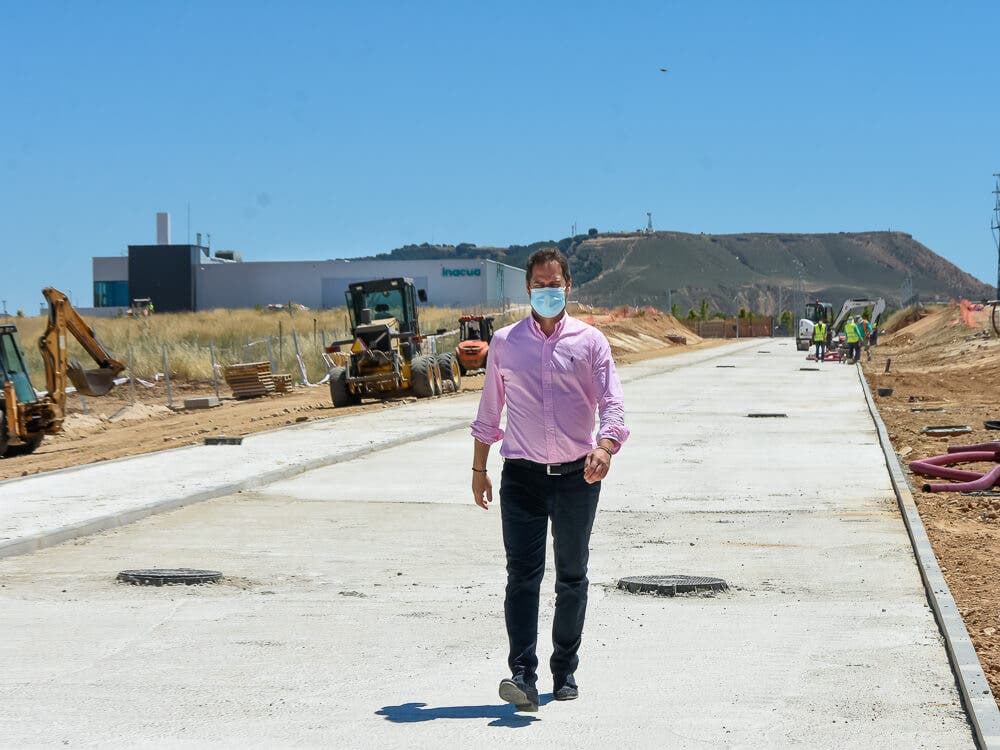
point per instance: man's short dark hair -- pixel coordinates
(547, 255)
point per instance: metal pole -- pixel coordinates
(83, 401)
(131, 374)
(215, 377)
(281, 345)
(166, 374)
(270, 354)
(298, 358)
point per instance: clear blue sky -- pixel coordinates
(306, 130)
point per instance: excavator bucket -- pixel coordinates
(91, 382)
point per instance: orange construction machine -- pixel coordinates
(475, 332)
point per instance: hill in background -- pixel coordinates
(731, 271)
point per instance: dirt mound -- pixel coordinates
(647, 333)
(139, 411)
(905, 317)
(76, 423)
(956, 337)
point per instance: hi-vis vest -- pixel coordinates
(851, 329)
(819, 332)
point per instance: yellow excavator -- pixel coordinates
(25, 416)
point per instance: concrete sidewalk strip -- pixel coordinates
(363, 603)
(54, 507)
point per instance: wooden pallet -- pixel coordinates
(250, 380)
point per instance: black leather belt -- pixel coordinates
(553, 470)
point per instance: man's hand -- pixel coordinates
(597, 466)
(482, 489)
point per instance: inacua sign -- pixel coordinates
(461, 272)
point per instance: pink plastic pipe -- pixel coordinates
(937, 466)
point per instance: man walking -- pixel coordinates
(819, 338)
(551, 371)
(866, 337)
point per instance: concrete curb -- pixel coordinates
(980, 705)
(103, 523)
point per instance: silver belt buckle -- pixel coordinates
(548, 470)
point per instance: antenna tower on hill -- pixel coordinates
(649, 222)
(995, 224)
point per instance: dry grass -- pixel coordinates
(238, 336)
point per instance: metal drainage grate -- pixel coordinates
(726, 366)
(223, 441)
(946, 430)
(765, 415)
(809, 369)
(763, 351)
(671, 585)
(162, 576)
(927, 408)
(981, 493)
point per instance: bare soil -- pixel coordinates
(950, 362)
(114, 426)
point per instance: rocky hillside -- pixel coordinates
(739, 270)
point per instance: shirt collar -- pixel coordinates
(560, 325)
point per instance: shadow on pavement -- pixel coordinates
(503, 715)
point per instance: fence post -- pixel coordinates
(298, 357)
(83, 402)
(215, 377)
(131, 374)
(166, 374)
(281, 346)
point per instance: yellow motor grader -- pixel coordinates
(387, 353)
(25, 416)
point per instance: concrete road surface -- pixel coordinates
(363, 600)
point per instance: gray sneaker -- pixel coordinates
(565, 689)
(523, 696)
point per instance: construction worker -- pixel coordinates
(866, 336)
(853, 333)
(819, 338)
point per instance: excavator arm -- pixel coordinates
(878, 307)
(64, 319)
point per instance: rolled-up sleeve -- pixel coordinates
(610, 399)
(486, 427)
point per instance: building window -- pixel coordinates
(110, 294)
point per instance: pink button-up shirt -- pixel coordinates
(551, 387)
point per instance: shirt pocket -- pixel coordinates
(572, 371)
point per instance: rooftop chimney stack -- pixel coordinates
(163, 228)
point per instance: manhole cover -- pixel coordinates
(162, 576)
(765, 415)
(670, 585)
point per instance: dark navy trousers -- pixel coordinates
(529, 499)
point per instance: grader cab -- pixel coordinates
(387, 352)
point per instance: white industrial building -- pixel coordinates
(183, 277)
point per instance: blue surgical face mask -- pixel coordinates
(548, 302)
